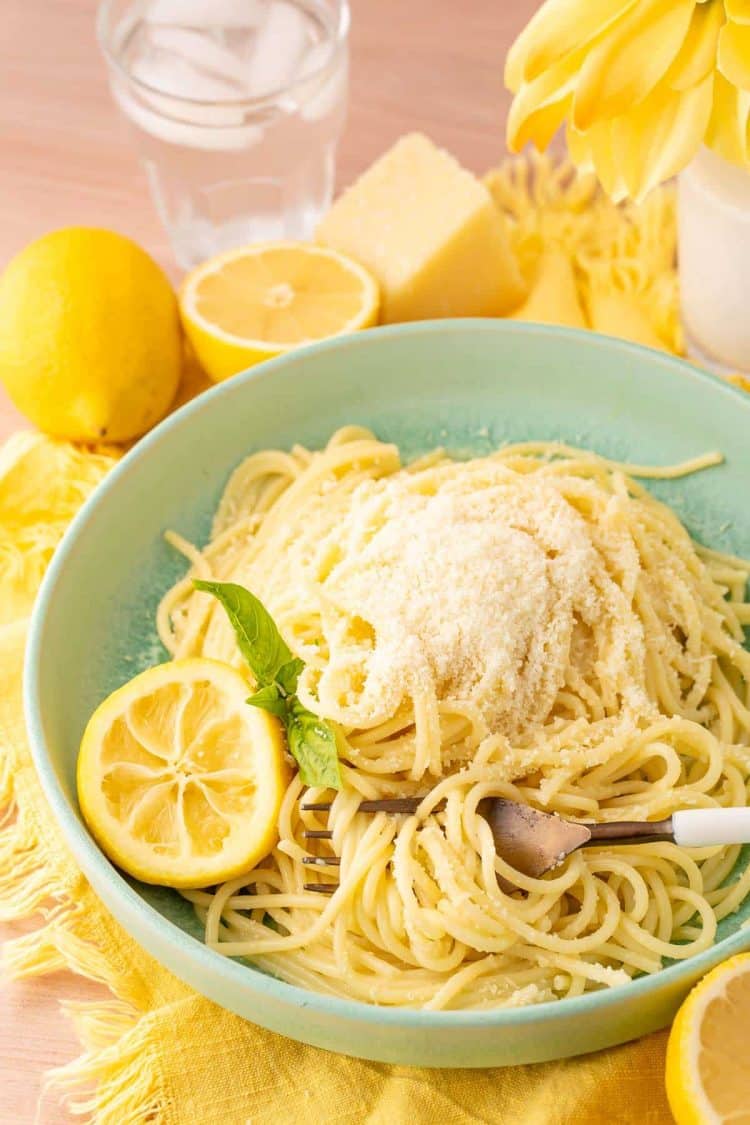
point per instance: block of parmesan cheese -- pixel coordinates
(429, 232)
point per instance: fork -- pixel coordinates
(533, 842)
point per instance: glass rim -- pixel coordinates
(104, 37)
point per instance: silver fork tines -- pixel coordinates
(319, 860)
(387, 805)
(380, 804)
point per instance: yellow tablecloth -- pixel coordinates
(157, 1052)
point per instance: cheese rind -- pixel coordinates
(429, 232)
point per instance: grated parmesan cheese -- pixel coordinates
(476, 582)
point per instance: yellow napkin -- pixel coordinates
(157, 1052)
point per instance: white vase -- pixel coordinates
(714, 261)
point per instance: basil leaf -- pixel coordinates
(288, 674)
(312, 744)
(261, 643)
(269, 698)
(311, 740)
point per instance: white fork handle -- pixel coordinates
(699, 828)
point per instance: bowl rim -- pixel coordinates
(154, 929)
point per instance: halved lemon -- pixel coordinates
(259, 301)
(708, 1066)
(179, 780)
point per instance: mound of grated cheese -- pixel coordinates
(482, 584)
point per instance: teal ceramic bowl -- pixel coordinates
(466, 384)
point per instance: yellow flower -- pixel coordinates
(640, 84)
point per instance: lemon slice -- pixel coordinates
(179, 780)
(708, 1067)
(259, 301)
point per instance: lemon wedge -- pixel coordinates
(179, 780)
(708, 1068)
(260, 301)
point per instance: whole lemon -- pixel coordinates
(90, 344)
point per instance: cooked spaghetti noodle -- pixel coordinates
(533, 625)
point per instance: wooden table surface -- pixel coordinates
(430, 65)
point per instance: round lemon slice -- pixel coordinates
(179, 780)
(708, 1067)
(259, 301)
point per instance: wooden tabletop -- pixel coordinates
(431, 65)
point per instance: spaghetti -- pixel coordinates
(533, 625)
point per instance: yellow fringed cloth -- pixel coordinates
(156, 1052)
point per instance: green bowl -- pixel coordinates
(469, 385)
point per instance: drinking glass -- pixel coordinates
(714, 262)
(236, 107)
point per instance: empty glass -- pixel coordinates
(236, 107)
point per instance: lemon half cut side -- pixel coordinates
(261, 301)
(179, 780)
(708, 1063)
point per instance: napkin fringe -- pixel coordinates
(35, 880)
(26, 881)
(31, 882)
(56, 946)
(25, 884)
(117, 1079)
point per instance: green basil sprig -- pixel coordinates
(311, 740)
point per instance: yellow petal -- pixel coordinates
(620, 314)
(727, 131)
(539, 126)
(738, 10)
(627, 63)
(657, 138)
(734, 54)
(554, 297)
(558, 27)
(539, 107)
(595, 149)
(579, 150)
(697, 56)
